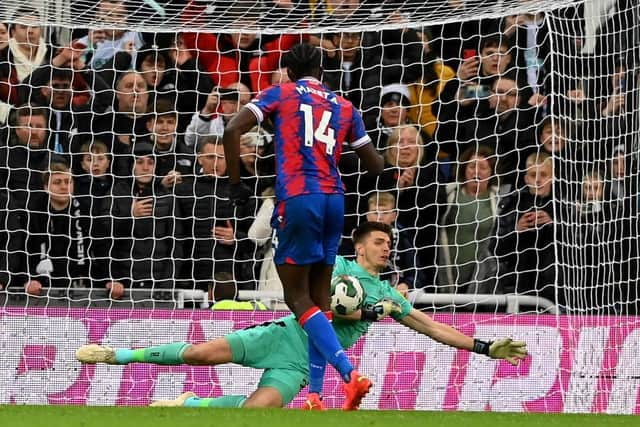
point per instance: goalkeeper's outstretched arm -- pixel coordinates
(504, 348)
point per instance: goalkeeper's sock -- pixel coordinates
(167, 354)
(321, 333)
(233, 401)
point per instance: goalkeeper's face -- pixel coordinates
(374, 250)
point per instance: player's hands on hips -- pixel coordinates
(239, 193)
(509, 350)
(386, 307)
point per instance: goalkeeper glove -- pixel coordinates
(239, 193)
(505, 348)
(380, 310)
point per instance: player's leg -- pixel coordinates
(263, 397)
(295, 287)
(213, 352)
(270, 346)
(356, 386)
(320, 295)
(290, 276)
(300, 230)
(277, 388)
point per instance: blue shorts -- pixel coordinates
(308, 229)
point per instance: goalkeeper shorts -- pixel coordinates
(280, 349)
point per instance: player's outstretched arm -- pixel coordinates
(373, 162)
(239, 193)
(505, 348)
(240, 124)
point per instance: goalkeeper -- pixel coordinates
(280, 347)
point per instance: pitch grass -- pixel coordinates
(83, 416)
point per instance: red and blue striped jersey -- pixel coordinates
(311, 124)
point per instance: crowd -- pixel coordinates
(509, 156)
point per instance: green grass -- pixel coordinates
(83, 416)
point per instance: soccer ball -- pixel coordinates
(347, 294)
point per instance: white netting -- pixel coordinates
(267, 17)
(470, 103)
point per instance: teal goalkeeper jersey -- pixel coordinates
(295, 346)
(349, 331)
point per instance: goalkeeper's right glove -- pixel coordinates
(504, 348)
(380, 310)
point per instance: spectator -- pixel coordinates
(4, 35)
(350, 72)
(25, 51)
(621, 191)
(467, 96)
(208, 122)
(524, 237)
(478, 71)
(244, 93)
(93, 192)
(93, 186)
(103, 44)
(432, 80)
(597, 221)
(241, 57)
(261, 234)
(467, 223)
(419, 194)
(120, 127)
(25, 155)
(394, 112)
(4, 107)
(256, 167)
(553, 138)
(69, 96)
(535, 49)
(192, 84)
(72, 93)
(620, 184)
(503, 127)
(54, 251)
(528, 34)
(173, 160)
(612, 108)
(217, 232)
(181, 82)
(141, 222)
(401, 270)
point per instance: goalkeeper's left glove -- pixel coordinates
(504, 348)
(380, 310)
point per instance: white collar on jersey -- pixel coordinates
(313, 79)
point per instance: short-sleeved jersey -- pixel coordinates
(311, 124)
(349, 331)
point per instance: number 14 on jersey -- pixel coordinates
(323, 133)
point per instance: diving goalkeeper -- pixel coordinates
(280, 347)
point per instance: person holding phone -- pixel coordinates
(140, 221)
(215, 236)
(479, 69)
(466, 96)
(524, 233)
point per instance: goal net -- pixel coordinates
(510, 134)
